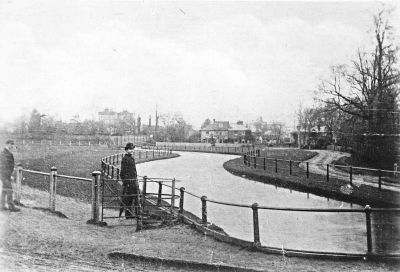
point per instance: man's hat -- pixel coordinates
(129, 146)
(10, 142)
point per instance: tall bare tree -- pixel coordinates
(369, 88)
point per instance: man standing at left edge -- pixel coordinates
(6, 169)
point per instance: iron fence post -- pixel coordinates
(290, 167)
(204, 210)
(173, 194)
(351, 175)
(265, 165)
(308, 172)
(256, 225)
(159, 193)
(144, 191)
(276, 166)
(327, 172)
(380, 179)
(181, 200)
(53, 186)
(368, 211)
(18, 184)
(95, 196)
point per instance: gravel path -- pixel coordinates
(318, 164)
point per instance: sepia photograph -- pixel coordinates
(144, 135)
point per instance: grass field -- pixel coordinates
(77, 161)
(288, 154)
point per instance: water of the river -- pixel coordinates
(203, 174)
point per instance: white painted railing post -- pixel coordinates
(53, 189)
(18, 184)
(96, 196)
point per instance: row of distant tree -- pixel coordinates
(359, 103)
(172, 127)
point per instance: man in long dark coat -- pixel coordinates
(128, 174)
(6, 169)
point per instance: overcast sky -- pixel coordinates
(224, 60)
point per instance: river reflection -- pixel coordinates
(203, 174)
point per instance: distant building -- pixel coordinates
(125, 115)
(224, 132)
(110, 117)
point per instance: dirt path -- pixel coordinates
(318, 164)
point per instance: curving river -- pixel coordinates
(203, 174)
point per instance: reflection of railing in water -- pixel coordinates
(204, 225)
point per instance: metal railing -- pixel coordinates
(52, 183)
(239, 150)
(252, 158)
(159, 197)
(302, 169)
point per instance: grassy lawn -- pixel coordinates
(78, 161)
(288, 154)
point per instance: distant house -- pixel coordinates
(224, 132)
(310, 137)
(109, 117)
(117, 122)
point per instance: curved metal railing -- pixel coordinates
(204, 225)
(379, 177)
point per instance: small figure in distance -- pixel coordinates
(6, 170)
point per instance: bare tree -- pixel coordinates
(369, 89)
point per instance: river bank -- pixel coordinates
(316, 184)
